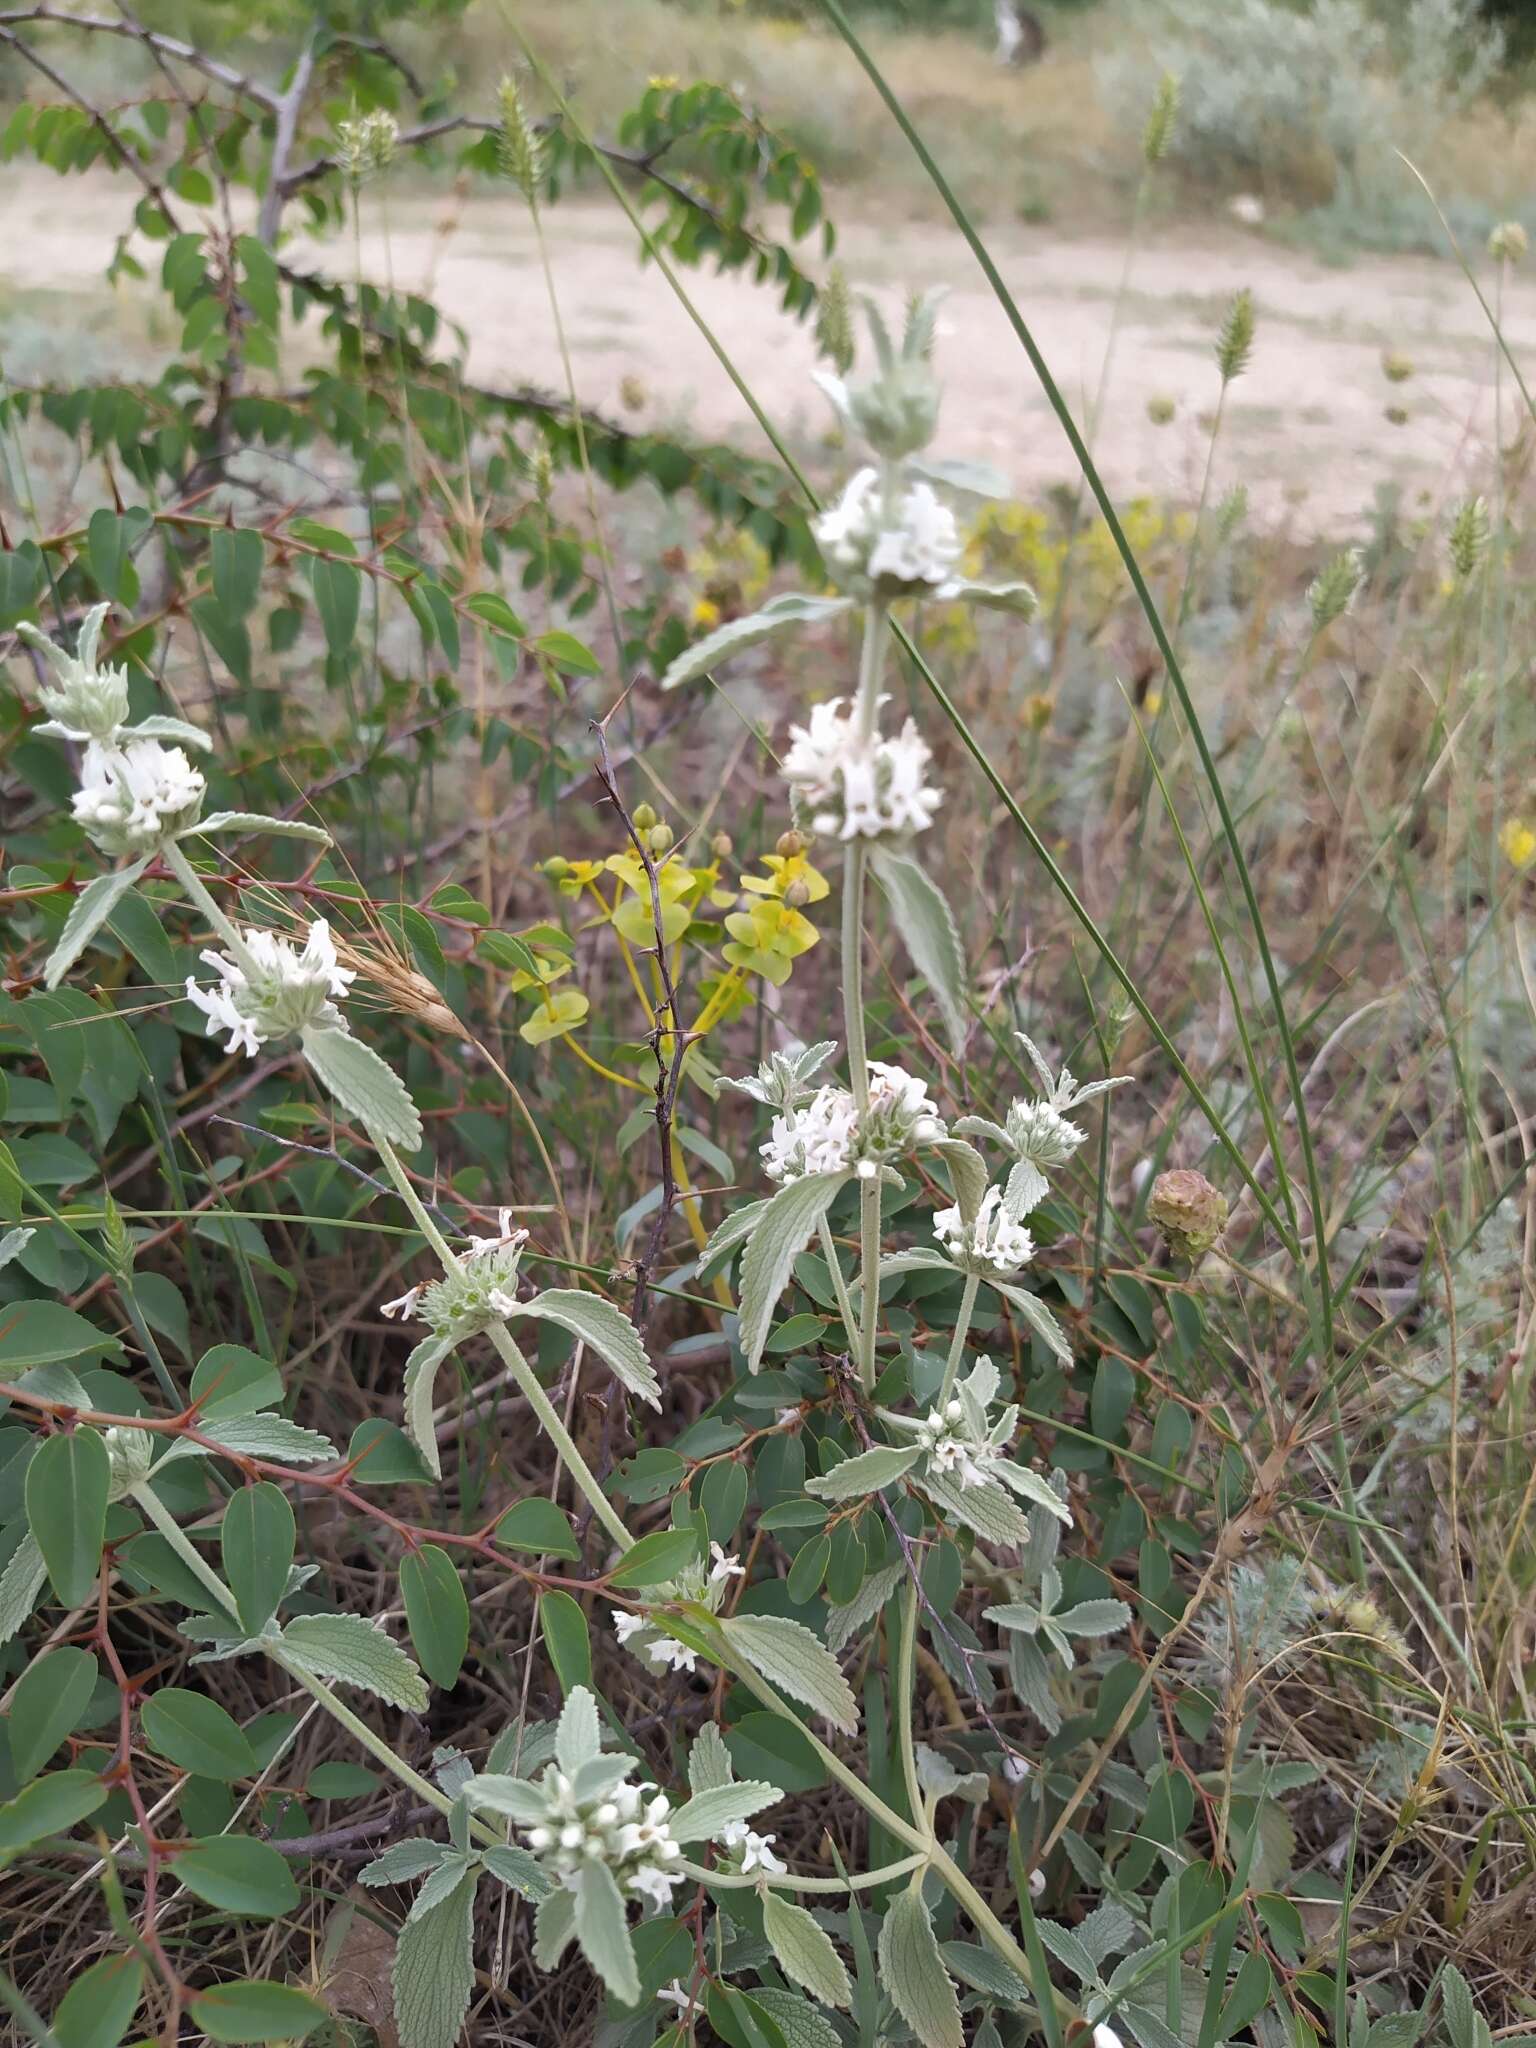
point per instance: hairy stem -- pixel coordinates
(730, 1880)
(962, 1331)
(199, 894)
(904, 1680)
(565, 1447)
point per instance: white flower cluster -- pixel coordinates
(646, 1639)
(890, 538)
(816, 1138)
(482, 1291)
(278, 991)
(952, 1450)
(131, 797)
(134, 792)
(614, 1824)
(960, 1444)
(88, 703)
(860, 788)
(992, 1243)
(828, 1134)
(1038, 1134)
(757, 1851)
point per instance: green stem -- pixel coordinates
(962, 1331)
(869, 1278)
(904, 1679)
(522, 1372)
(565, 1447)
(198, 894)
(893, 1822)
(840, 1288)
(145, 1498)
(740, 1881)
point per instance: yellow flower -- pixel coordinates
(1152, 703)
(1518, 842)
(663, 81)
(786, 871)
(706, 612)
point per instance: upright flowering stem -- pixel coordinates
(855, 868)
(904, 1678)
(565, 1446)
(198, 894)
(962, 1331)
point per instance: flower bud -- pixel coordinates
(797, 895)
(1396, 415)
(1234, 344)
(788, 844)
(555, 869)
(1158, 133)
(520, 148)
(1397, 369)
(1333, 591)
(659, 837)
(632, 393)
(643, 817)
(1188, 1210)
(1508, 242)
(834, 321)
(1160, 409)
(1469, 536)
(129, 1452)
(720, 846)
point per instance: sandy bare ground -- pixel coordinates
(1305, 429)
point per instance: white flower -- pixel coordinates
(879, 536)
(277, 991)
(617, 1825)
(757, 1852)
(1038, 1134)
(645, 1635)
(481, 1290)
(1105, 2037)
(902, 1114)
(991, 1243)
(88, 703)
(674, 1994)
(1037, 1891)
(817, 1138)
(787, 1418)
(134, 796)
(860, 788)
(1015, 1769)
(827, 1135)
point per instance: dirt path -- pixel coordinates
(1305, 430)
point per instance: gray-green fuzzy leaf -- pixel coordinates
(804, 1951)
(845, 1622)
(709, 1761)
(606, 1330)
(402, 1861)
(928, 932)
(912, 1971)
(778, 1237)
(986, 1509)
(1038, 1316)
(20, 1585)
(364, 1086)
(603, 1932)
(789, 1656)
(421, 1370)
(350, 1649)
(257, 821)
(1018, 598)
(866, 1472)
(434, 1970)
(702, 1817)
(87, 914)
(794, 608)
